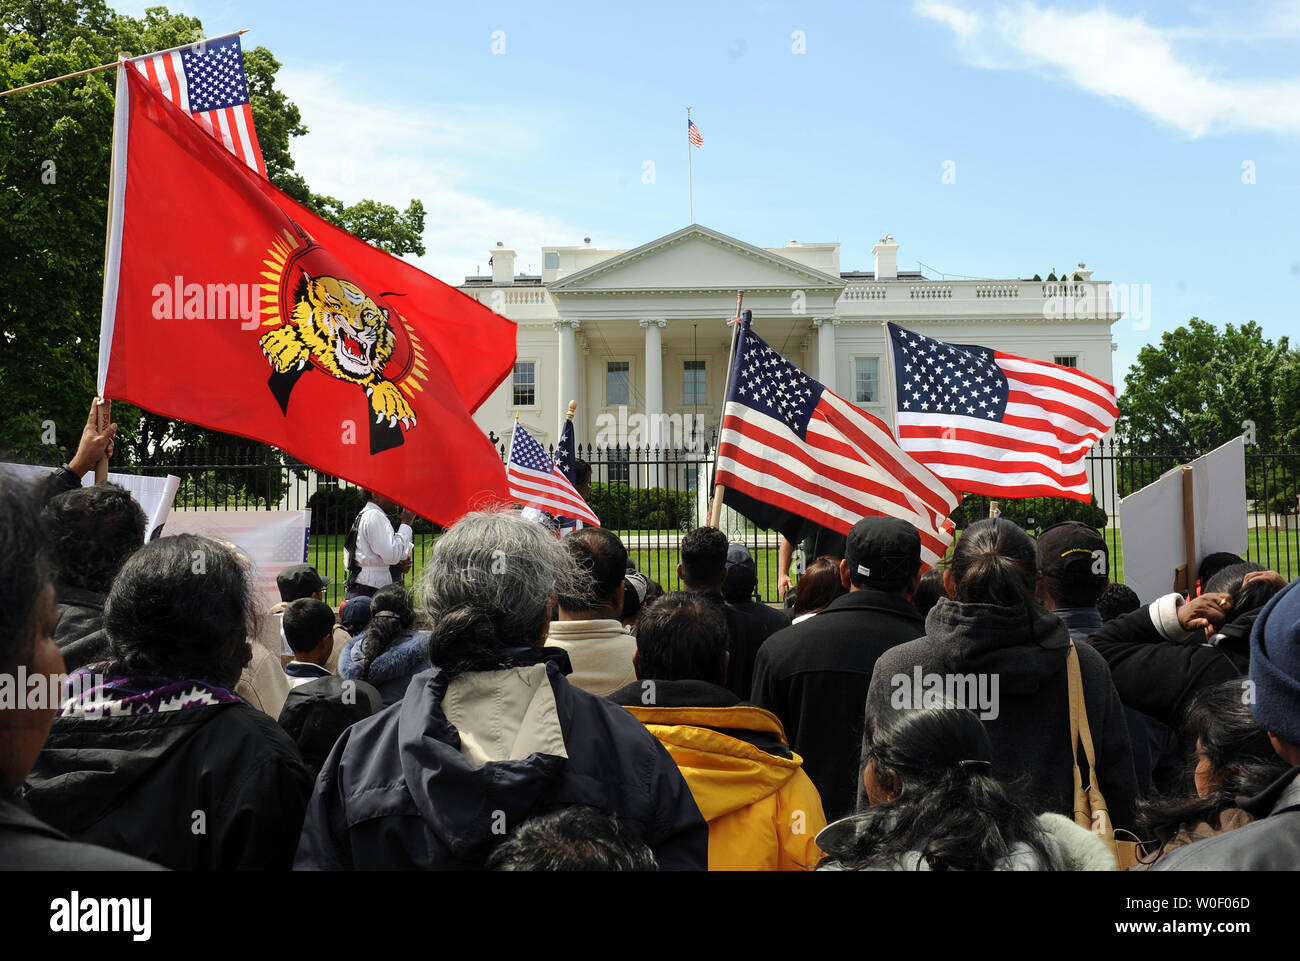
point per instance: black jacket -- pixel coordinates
(398, 793)
(28, 844)
(1271, 843)
(814, 677)
(213, 787)
(1159, 677)
(79, 632)
(1025, 651)
(747, 635)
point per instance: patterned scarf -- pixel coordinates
(106, 690)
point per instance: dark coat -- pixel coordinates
(747, 635)
(814, 677)
(28, 844)
(1025, 649)
(397, 791)
(145, 784)
(1271, 843)
(1159, 677)
(79, 632)
(392, 670)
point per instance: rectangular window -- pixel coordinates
(695, 382)
(866, 380)
(618, 383)
(1066, 360)
(525, 383)
(617, 465)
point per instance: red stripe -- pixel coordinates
(252, 139)
(1075, 371)
(995, 466)
(170, 70)
(967, 435)
(150, 72)
(992, 489)
(1048, 429)
(1060, 383)
(542, 488)
(1056, 407)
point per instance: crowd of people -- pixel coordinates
(536, 703)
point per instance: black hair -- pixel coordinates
(1239, 752)
(995, 562)
(602, 557)
(391, 614)
(683, 637)
(951, 810)
(1075, 586)
(581, 472)
(24, 570)
(818, 585)
(576, 838)
(1211, 564)
(738, 583)
(306, 621)
(704, 558)
(1244, 597)
(928, 591)
(654, 590)
(632, 602)
(1117, 600)
(181, 607)
(92, 531)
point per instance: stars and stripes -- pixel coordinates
(536, 481)
(206, 80)
(790, 443)
(994, 423)
(566, 462)
(693, 133)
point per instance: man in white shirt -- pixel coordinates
(379, 549)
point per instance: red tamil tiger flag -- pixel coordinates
(229, 305)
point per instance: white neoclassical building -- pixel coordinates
(644, 331)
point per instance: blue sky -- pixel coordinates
(1121, 135)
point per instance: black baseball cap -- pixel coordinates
(884, 551)
(1071, 549)
(300, 580)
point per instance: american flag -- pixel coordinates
(566, 463)
(206, 80)
(790, 443)
(693, 133)
(536, 481)
(994, 423)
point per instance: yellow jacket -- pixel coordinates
(763, 810)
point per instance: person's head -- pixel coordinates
(316, 713)
(489, 584)
(181, 607)
(683, 637)
(1073, 566)
(882, 554)
(1275, 671)
(575, 838)
(635, 588)
(301, 580)
(309, 629)
(932, 791)
(741, 575)
(1211, 564)
(92, 531)
(387, 505)
(582, 478)
(703, 559)
(994, 562)
(928, 591)
(27, 619)
(354, 615)
(392, 612)
(819, 584)
(601, 556)
(1117, 600)
(1243, 598)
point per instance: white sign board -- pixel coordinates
(1151, 520)
(153, 494)
(272, 540)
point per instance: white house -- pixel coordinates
(644, 331)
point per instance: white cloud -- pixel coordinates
(1125, 58)
(357, 150)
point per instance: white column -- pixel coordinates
(654, 396)
(568, 365)
(826, 350)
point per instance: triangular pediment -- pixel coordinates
(695, 258)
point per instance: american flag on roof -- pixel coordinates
(995, 423)
(536, 481)
(206, 80)
(693, 133)
(790, 446)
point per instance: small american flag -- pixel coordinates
(994, 423)
(693, 133)
(791, 444)
(206, 80)
(536, 481)
(566, 462)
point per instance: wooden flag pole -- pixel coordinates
(715, 509)
(101, 466)
(573, 407)
(1185, 576)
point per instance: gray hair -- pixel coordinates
(489, 584)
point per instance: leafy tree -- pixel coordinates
(54, 161)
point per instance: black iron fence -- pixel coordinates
(651, 497)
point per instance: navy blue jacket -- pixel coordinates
(397, 793)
